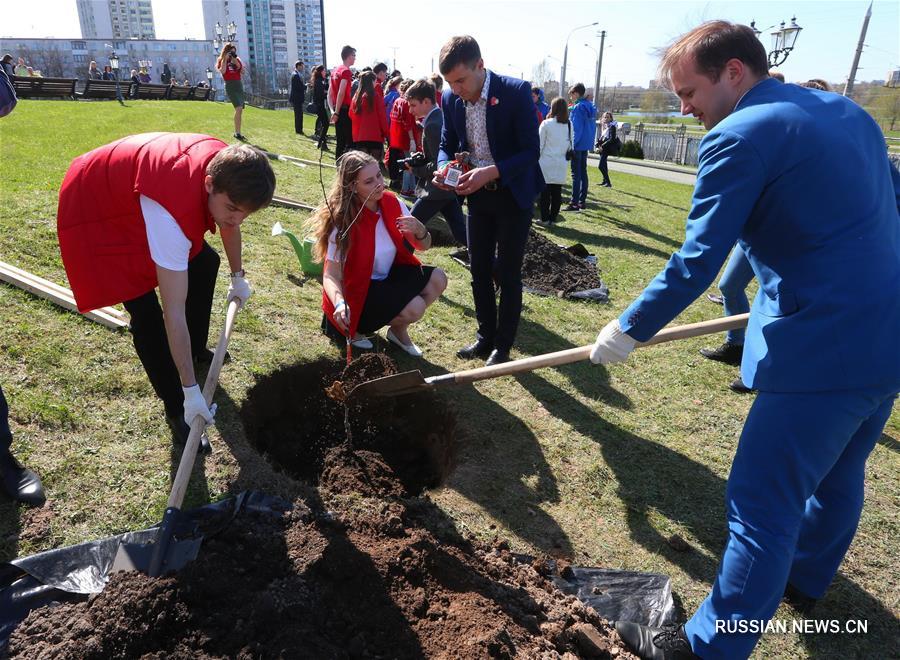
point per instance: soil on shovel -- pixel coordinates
(360, 567)
(552, 270)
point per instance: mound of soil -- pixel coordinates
(357, 568)
(553, 270)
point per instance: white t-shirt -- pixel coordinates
(169, 247)
(385, 250)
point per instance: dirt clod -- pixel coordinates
(550, 269)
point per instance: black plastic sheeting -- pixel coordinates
(644, 598)
(75, 572)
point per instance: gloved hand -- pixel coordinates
(612, 345)
(195, 404)
(239, 288)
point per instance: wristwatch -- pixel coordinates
(239, 273)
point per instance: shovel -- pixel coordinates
(412, 381)
(167, 554)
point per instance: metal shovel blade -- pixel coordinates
(407, 382)
(175, 545)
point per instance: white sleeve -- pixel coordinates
(169, 247)
(404, 209)
(332, 247)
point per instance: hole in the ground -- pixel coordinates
(289, 417)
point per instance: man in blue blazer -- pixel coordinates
(492, 118)
(822, 343)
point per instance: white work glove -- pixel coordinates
(195, 404)
(239, 288)
(612, 345)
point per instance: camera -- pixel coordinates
(415, 160)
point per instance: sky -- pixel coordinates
(516, 36)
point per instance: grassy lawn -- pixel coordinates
(601, 464)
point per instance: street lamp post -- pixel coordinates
(562, 81)
(783, 40)
(114, 65)
(209, 78)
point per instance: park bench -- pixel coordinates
(201, 93)
(177, 93)
(31, 88)
(150, 91)
(104, 89)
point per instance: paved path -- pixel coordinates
(666, 173)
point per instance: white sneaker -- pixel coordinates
(363, 343)
(411, 349)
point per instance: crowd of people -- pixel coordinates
(823, 358)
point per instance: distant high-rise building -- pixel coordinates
(116, 19)
(270, 36)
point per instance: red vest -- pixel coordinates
(102, 235)
(360, 258)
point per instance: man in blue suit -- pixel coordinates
(492, 118)
(822, 343)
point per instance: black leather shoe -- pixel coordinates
(20, 483)
(727, 353)
(737, 385)
(205, 357)
(479, 349)
(181, 431)
(666, 643)
(497, 357)
(799, 600)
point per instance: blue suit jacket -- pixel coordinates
(802, 179)
(512, 129)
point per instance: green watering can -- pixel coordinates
(303, 249)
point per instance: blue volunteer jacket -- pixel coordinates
(582, 116)
(512, 129)
(802, 180)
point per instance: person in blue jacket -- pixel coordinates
(821, 345)
(581, 115)
(492, 119)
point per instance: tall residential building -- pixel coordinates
(116, 19)
(271, 36)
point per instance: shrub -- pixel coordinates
(632, 149)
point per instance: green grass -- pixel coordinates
(603, 464)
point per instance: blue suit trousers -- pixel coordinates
(736, 277)
(793, 503)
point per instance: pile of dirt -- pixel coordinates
(553, 270)
(359, 567)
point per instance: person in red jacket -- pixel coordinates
(372, 279)
(132, 217)
(370, 127)
(405, 139)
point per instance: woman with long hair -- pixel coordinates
(608, 144)
(319, 89)
(556, 139)
(370, 127)
(366, 237)
(231, 67)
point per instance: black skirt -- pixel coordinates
(386, 298)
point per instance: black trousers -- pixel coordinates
(497, 226)
(5, 433)
(322, 123)
(604, 168)
(425, 209)
(551, 200)
(148, 329)
(343, 132)
(395, 171)
(298, 117)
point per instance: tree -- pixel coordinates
(885, 107)
(656, 104)
(541, 73)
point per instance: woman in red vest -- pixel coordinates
(367, 238)
(132, 217)
(231, 68)
(370, 127)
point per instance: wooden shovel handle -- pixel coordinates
(583, 352)
(186, 466)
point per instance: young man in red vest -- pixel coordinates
(132, 217)
(339, 98)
